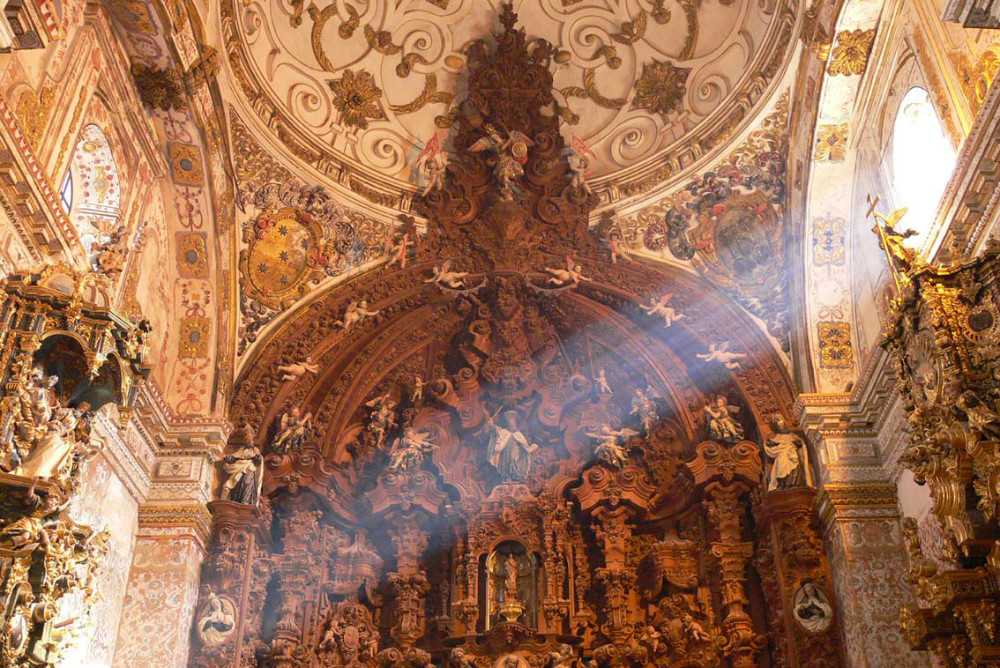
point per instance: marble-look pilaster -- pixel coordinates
(868, 562)
(173, 527)
(851, 437)
(113, 485)
(162, 592)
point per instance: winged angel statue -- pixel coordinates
(512, 153)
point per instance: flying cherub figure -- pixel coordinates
(296, 371)
(610, 447)
(511, 155)
(568, 277)
(397, 251)
(432, 164)
(602, 382)
(660, 307)
(722, 354)
(444, 277)
(355, 313)
(408, 450)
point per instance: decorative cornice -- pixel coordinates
(184, 431)
(124, 454)
(861, 413)
(968, 207)
(845, 502)
(192, 517)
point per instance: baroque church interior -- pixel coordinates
(487, 334)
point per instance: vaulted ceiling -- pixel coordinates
(355, 90)
(332, 103)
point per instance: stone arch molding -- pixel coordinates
(832, 341)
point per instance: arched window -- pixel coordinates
(92, 190)
(66, 193)
(922, 161)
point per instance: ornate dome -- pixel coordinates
(357, 90)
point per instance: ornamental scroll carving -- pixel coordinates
(496, 464)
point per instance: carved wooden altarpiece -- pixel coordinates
(503, 461)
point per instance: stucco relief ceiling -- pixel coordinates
(357, 89)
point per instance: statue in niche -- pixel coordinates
(53, 452)
(510, 577)
(783, 449)
(722, 426)
(811, 608)
(41, 393)
(511, 584)
(293, 431)
(509, 449)
(217, 620)
(245, 475)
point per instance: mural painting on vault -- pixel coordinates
(487, 453)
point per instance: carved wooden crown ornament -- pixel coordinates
(508, 195)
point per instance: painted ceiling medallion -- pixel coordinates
(283, 255)
(360, 88)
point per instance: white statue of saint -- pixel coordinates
(245, 475)
(55, 447)
(40, 395)
(783, 449)
(509, 449)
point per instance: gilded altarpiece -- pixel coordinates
(485, 453)
(64, 355)
(943, 336)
